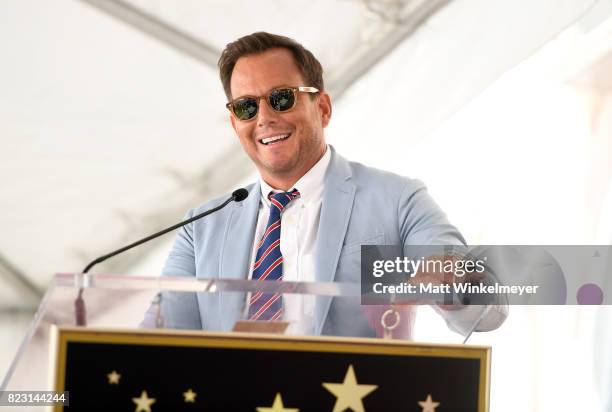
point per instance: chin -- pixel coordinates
(279, 167)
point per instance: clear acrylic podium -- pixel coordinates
(130, 302)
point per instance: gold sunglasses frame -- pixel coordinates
(296, 91)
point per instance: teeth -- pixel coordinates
(274, 138)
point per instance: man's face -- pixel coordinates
(283, 162)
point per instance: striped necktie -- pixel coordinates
(268, 263)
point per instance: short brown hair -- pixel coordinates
(259, 42)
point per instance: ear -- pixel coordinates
(325, 107)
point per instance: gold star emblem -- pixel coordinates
(277, 406)
(428, 404)
(190, 396)
(113, 378)
(143, 404)
(348, 393)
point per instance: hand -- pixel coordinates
(443, 272)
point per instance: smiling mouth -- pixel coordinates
(274, 139)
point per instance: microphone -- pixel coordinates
(238, 195)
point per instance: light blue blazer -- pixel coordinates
(361, 205)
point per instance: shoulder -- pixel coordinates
(377, 189)
(382, 196)
(371, 179)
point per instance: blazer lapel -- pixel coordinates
(236, 255)
(336, 208)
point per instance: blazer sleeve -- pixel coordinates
(422, 222)
(181, 260)
(180, 310)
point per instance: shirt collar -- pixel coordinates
(310, 183)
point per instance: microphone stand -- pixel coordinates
(79, 304)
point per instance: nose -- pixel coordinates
(265, 115)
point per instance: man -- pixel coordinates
(309, 213)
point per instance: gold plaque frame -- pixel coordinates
(62, 336)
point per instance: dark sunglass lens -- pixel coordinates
(282, 99)
(245, 109)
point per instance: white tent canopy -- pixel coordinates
(113, 125)
(113, 121)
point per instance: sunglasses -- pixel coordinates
(280, 100)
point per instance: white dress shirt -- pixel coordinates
(298, 239)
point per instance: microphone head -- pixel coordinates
(240, 194)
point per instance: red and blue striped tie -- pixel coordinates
(269, 261)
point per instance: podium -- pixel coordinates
(174, 343)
